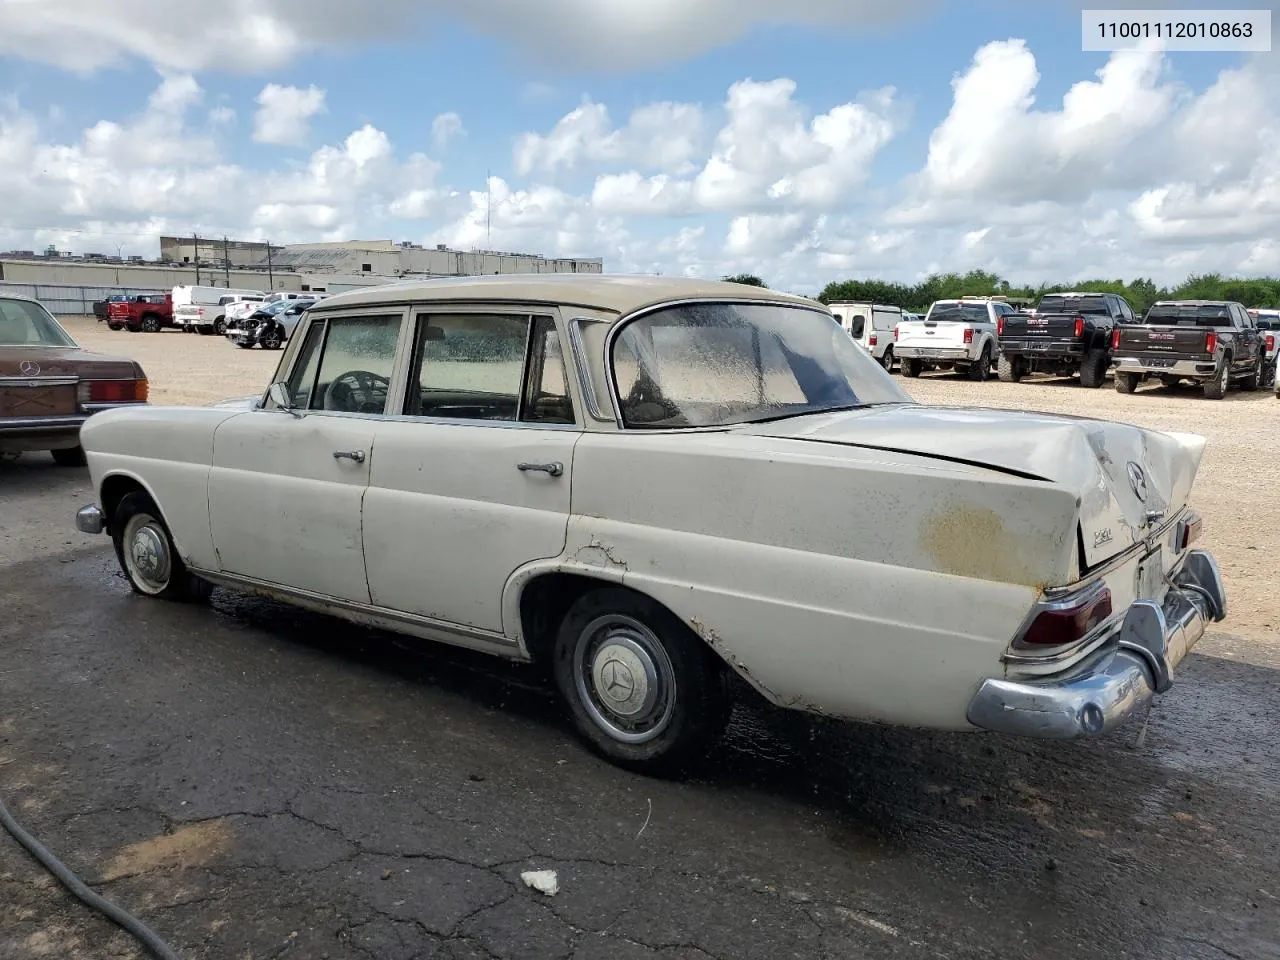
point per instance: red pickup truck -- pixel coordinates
(149, 313)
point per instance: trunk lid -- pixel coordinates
(44, 381)
(1043, 326)
(933, 333)
(1127, 479)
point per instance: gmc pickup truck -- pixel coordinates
(1211, 342)
(1068, 333)
(1268, 324)
(149, 313)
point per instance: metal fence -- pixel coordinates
(66, 300)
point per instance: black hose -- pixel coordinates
(116, 915)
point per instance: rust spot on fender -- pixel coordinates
(968, 541)
(190, 846)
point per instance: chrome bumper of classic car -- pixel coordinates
(90, 519)
(1176, 368)
(1101, 693)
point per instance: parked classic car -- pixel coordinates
(49, 385)
(644, 483)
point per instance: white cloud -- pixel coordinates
(222, 116)
(284, 114)
(446, 128)
(661, 136)
(259, 36)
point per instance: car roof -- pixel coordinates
(1080, 293)
(1192, 303)
(615, 293)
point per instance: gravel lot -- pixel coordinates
(1233, 492)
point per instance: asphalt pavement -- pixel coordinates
(257, 782)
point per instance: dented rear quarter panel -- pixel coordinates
(845, 581)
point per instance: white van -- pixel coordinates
(204, 309)
(870, 325)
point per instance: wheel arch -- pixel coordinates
(119, 484)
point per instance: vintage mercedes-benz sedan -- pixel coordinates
(654, 484)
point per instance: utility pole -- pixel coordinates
(271, 280)
(488, 210)
(195, 239)
(226, 262)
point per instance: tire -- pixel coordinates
(1093, 370)
(1254, 380)
(113, 326)
(220, 326)
(150, 323)
(682, 707)
(1216, 388)
(911, 366)
(980, 369)
(147, 555)
(886, 360)
(271, 340)
(1126, 382)
(1009, 370)
(204, 331)
(244, 344)
(69, 456)
(1269, 376)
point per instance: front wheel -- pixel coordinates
(1126, 382)
(886, 360)
(147, 554)
(220, 326)
(912, 366)
(271, 340)
(643, 690)
(69, 456)
(113, 326)
(150, 324)
(1254, 380)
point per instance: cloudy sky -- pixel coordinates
(806, 141)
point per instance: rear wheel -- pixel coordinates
(147, 554)
(220, 326)
(1216, 388)
(1010, 369)
(912, 366)
(1126, 382)
(980, 369)
(150, 323)
(69, 456)
(643, 690)
(1093, 371)
(886, 360)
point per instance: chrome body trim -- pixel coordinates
(1179, 368)
(40, 424)
(1101, 692)
(1153, 539)
(579, 350)
(38, 381)
(90, 519)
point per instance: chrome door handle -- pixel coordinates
(356, 455)
(550, 469)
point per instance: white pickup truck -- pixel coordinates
(955, 334)
(204, 309)
(1268, 323)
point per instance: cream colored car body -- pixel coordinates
(873, 564)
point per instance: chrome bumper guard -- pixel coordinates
(90, 519)
(1101, 693)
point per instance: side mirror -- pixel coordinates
(278, 394)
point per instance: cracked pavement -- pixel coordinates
(256, 782)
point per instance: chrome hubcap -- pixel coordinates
(624, 678)
(147, 552)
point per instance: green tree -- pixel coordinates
(749, 279)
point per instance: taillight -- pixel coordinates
(1064, 622)
(1189, 532)
(895, 334)
(114, 391)
(871, 340)
(1000, 326)
(1271, 342)
(199, 311)
(968, 334)
(1210, 342)
(1079, 326)
(1115, 339)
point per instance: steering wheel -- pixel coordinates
(357, 391)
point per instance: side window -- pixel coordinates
(468, 366)
(857, 326)
(546, 397)
(303, 378)
(355, 364)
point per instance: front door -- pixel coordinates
(471, 481)
(285, 490)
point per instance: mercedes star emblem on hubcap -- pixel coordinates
(29, 368)
(618, 682)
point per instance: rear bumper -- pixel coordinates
(90, 519)
(40, 427)
(947, 354)
(1048, 349)
(1159, 366)
(1103, 692)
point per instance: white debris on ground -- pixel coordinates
(544, 881)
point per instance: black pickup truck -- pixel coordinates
(1212, 342)
(1068, 333)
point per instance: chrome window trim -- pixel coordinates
(627, 319)
(586, 386)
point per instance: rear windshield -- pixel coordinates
(1190, 314)
(1269, 323)
(967, 312)
(1054, 304)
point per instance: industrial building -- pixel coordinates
(55, 276)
